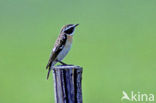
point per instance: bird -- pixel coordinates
(62, 46)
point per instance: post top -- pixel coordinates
(66, 67)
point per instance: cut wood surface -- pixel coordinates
(67, 84)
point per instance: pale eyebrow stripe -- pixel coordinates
(68, 27)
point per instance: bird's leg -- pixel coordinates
(61, 62)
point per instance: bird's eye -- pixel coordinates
(69, 31)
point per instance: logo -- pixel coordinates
(137, 96)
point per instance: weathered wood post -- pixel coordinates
(67, 84)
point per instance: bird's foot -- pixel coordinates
(64, 63)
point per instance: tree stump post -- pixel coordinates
(67, 84)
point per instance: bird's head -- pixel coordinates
(69, 29)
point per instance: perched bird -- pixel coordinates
(61, 46)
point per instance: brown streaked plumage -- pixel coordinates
(62, 46)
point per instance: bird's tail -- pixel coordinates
(50, 68)
(48, 72)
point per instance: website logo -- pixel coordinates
(137, 96)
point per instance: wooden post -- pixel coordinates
(67, 84)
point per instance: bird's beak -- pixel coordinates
(76, 25)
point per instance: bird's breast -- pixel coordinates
(66, 48)
(69, 38)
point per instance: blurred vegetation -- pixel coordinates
(115, 43)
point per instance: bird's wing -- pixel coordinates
(59, 44)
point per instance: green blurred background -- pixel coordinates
(115, 43)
